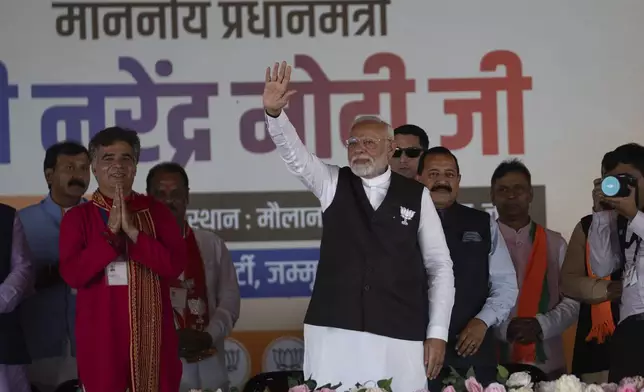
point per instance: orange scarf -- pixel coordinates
(195, 314)
(534, 295)
(144, 291)
(601, 314)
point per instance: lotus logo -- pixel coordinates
(406, 214)
(288, 358)
(232, 360)
(237, 361)
(285, 353)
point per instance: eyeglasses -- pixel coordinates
(368, 142)
(410, 152)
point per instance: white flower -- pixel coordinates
(523, 389)
(593, 388)
(519, 380)
(374, 389)
(568, 383)
(610, 387)
(546, 386)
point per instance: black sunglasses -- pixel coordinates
(410, 152)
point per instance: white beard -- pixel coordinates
(363, 169)
(368, 169)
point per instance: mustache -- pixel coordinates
(77, 182)
(361, 157)
(443, 187)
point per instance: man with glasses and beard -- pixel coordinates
(411, 141)
(48, 315)
(384, 289)
(485, 280)
(205, 298)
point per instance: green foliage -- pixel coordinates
(310, 383)
(456, 380)
(385, 384)
(293, 382)
(502, 375)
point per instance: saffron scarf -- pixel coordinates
(144, 291)
(601, 315)
(195, 314)
(534, 296)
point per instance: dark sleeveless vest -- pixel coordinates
(13, 350)
(592, 357)
(371, 275)
(467, 231)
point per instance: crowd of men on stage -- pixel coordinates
(409, 283)
(71, 304)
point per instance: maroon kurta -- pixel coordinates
(117, 325)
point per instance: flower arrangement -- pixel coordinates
(457, 383)
(311, 385)
(297, 385)
(202, 390)
(515, 382)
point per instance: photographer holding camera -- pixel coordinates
(614, 238)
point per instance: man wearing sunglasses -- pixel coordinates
(411, 141)
(384, 288)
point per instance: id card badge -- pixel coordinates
(179, 298)
(630, 275)
(117, 273)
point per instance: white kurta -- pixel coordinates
(336, 355)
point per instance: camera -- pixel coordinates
(618, 185)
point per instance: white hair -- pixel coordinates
(373, 119)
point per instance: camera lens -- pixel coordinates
(610, 186)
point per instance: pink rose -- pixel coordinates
(495, 387)
(299, 388)
(628, 380)
(639, 382)
(449, 388)
(627, 388)
(472, 385)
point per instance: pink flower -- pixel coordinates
(472, 385)
(299, 388)
(449, 388)
(639, 382)
(628, 380)
(495, 387)
(627, 388)
(327, 390)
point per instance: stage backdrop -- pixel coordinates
(556, 84)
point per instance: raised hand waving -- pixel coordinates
(276, 93)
